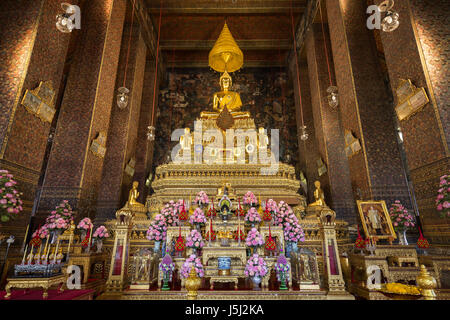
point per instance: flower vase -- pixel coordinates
(99, 243)
(166, 278)
(198, 227)
(256, 282)
(283, 281)
(157, 246)
(402, 238)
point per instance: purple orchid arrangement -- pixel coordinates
(10, 202)
(254, 239)
(158, 229)
(195, 240)
(252, 216)
(400, 217)
(167, 264)
(198, 217)
(249, 199)
(192, 261)
(282, 266)
(256, 266)
(443, 197)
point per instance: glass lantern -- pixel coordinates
(333, 97)
(122, 97)
(304, 135)
(390, 21)
(151, 133)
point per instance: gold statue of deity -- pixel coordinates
(318, 196)
(133, 195)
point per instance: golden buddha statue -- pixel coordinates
(226, 99)
(318, 196)
(226, 189)
(133, 195)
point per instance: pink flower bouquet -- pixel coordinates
(42, 232)
(10, 202)
(249, 199)
(443, 197)
(198, 217)
(202, 198)
(101, 232)
(158, 229)
(194, 240)
(171, 211)
(286, 218)
(400, 217)
(272, 206)
(85, 224)
(254, 239)
(256, 266)
(192, 261)
(252, 216)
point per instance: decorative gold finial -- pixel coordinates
(226, 54)
(426, 283)
(193, 283)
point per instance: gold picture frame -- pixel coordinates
(410, 99)
(375, 219)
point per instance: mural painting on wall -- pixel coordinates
(264, 94)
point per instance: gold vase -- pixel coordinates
(426, 283)
(193, 283)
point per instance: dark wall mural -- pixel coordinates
(264, 93)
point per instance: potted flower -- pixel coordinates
(197, 218)
(201, 199)
(249, 199)
(157, 231)
(59, 219)
(293, 232)
(84, 225)
(100, 234)
(171, 211)
(195, 241)
(252, 217)
(42, 232)
(254, 240)
(10, 202)
(270, 210)
(256, 269)
(443, 197)
(192, 261)
(282, 268)
(402, 220)
(167, 267)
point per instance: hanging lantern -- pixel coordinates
(304, 135)
(64, 21)
(391, 21)
(151, 133)
(333, 97)
(122, 97)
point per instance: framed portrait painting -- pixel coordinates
(376, 220)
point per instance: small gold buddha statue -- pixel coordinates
(226, 189)
(318, 196)
(226, 98)
(133, 195)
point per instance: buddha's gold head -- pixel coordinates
(317, 184)
(225, 81)
(135, 184)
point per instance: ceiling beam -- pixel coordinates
(263, 44)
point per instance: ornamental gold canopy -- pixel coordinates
(226, 54)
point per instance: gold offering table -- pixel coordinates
(224, 279)
(86, 260)
(28, 283)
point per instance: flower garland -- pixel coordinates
(157, 230)
(256, 266)
(60, 218)
(202, 198)
(252, 216)
(249, 199)
(85, 224)
(194, 240)
(254, 239)
(192, 261)
(400, 217)
(101, 232)
(443, 197)
(198, 217)
(10, 202)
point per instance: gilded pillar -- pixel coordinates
(31, 52)
(418, 50)
(74, 167)
(376, 170)
(120, 159)
(327, 124)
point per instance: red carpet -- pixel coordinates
(52, 295)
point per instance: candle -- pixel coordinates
(24, 255)
(46, 244)
(90, 238)
(39, 254)
(31, 254)
(48, 252)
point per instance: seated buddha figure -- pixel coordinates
(318, 196)
(133, 195)
(226, 98)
